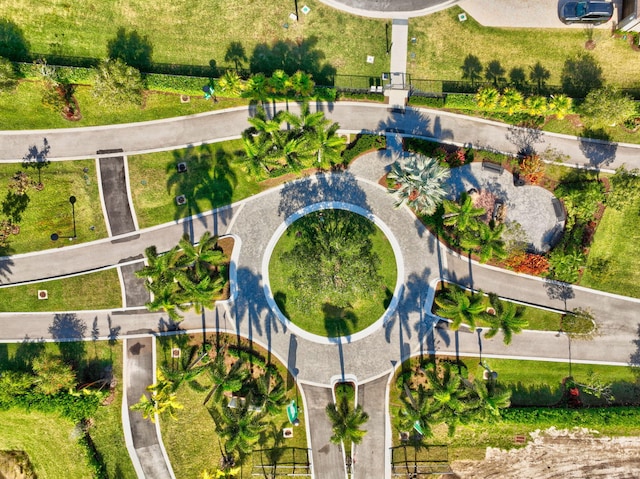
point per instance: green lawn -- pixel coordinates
(443, 42)
(532, 383)
(36, 432)
(367, 310)
(23, 110)
(191, 440)
(614, 256)
(193, 33)
(49, 211)
(215, 177)
(100, 290)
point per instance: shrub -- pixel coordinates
(528, 263)
(532, 168)
(429, 101)
(362, 144)
(350, 95)
(175, 84)
(462, 101)
(592, 418)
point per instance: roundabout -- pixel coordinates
(358, 333)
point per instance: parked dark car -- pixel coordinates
(592, 12)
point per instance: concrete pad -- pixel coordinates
(114, 191)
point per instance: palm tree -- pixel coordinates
(489, 241)
(167, 297)
(204, 258)
(160, 268)
(511, 99)
(539, 75)
(490, 398)
(487, 98)
(451, 400)
(346, 422)
(416, 411)
(328, 145)
(471, 68)
(270, 394)
(202, 294)
(460, 307)
(560, 105)
(259, 153)
(238, 426)
(162, 399)
(536, 105)
(225, 380)
(419, 183)
(301, 84)
(508, 317)
(278, 86)
(305, 122)
(256, 88)
(230, 83)
(494, 72)
(462, 216)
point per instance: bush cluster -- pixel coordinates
(362, 144)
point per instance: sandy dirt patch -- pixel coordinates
(578, 453)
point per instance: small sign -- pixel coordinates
(43, 294)
(370, 58)
(305, 10)
(462, 17)
(293, 16)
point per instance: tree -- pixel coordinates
(328, 145)
(332, 257)
(224, 380)
(511, 99)
(494, 72)
(471, 69)
(607, 106)
(52, 375)
(625, 188)
(536, 105)
(419, 183)
(301, 84)
(230, 84)
(539, 75)
(269, 393)
(204, 258)
(238, 426)
(580, 75)
(416, 411)
(459, 307)
(8, 76)
(117, 83)
(462, 216)
(508, 318)
(235, 53)
(256, 88)
(451, 400)
(488, 240)
(487, 97)
(560, 105)
(346, 422)
(278, 84)
(490, 399)
(162, 399)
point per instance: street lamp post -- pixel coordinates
(55, 236)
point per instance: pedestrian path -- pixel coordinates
(144, 444)
(115, 195)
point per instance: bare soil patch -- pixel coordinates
(553, 453)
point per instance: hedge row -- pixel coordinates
(567, 418)
(362, 144)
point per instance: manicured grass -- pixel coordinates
(215, 177)
(614, 257)
(539, 319)
(191, 33)
(191, 440)
(532, 383)
(49, 211)
(443, 42)
(23, 109)
(48, 440)
(100, 290)
(366, 310)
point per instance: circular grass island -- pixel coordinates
(333, 273)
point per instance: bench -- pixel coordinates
(493, 167)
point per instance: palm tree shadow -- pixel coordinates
(414, 122)
(339, 323)
(5, 263)
(598, 148)
(205, 180)
(634, 359)
(341, 187)
(250, 307)
(70, 331)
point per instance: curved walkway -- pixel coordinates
(390, 8)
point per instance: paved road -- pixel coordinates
(327, 458)
(352, 116)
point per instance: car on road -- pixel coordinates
(591, 12)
